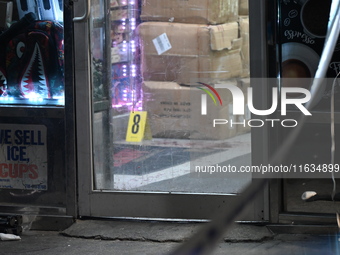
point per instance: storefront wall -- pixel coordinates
(135, 112)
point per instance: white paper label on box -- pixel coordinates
(162, 43)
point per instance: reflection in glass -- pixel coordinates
(164, 68)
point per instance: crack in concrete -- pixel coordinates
(138, 239)
(145, 239)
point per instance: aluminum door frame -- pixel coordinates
(142, 205)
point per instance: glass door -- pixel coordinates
(157, 133)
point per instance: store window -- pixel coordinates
(32, 53)
(171, 124)
(32, 131)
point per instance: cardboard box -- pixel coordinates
(190, 11)
(223, 36)
(6, 12)
(244, 33)
(174, 111)
(243, 7)
(184, 53)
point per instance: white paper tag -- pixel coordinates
(162, 43)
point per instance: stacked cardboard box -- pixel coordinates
(184, 43)
(176, 112)
(193, 52)
(190, 11)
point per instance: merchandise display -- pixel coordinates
(126, 87)
(32, 55)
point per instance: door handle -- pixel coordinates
(86, 14)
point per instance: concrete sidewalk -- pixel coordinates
(151, 238)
